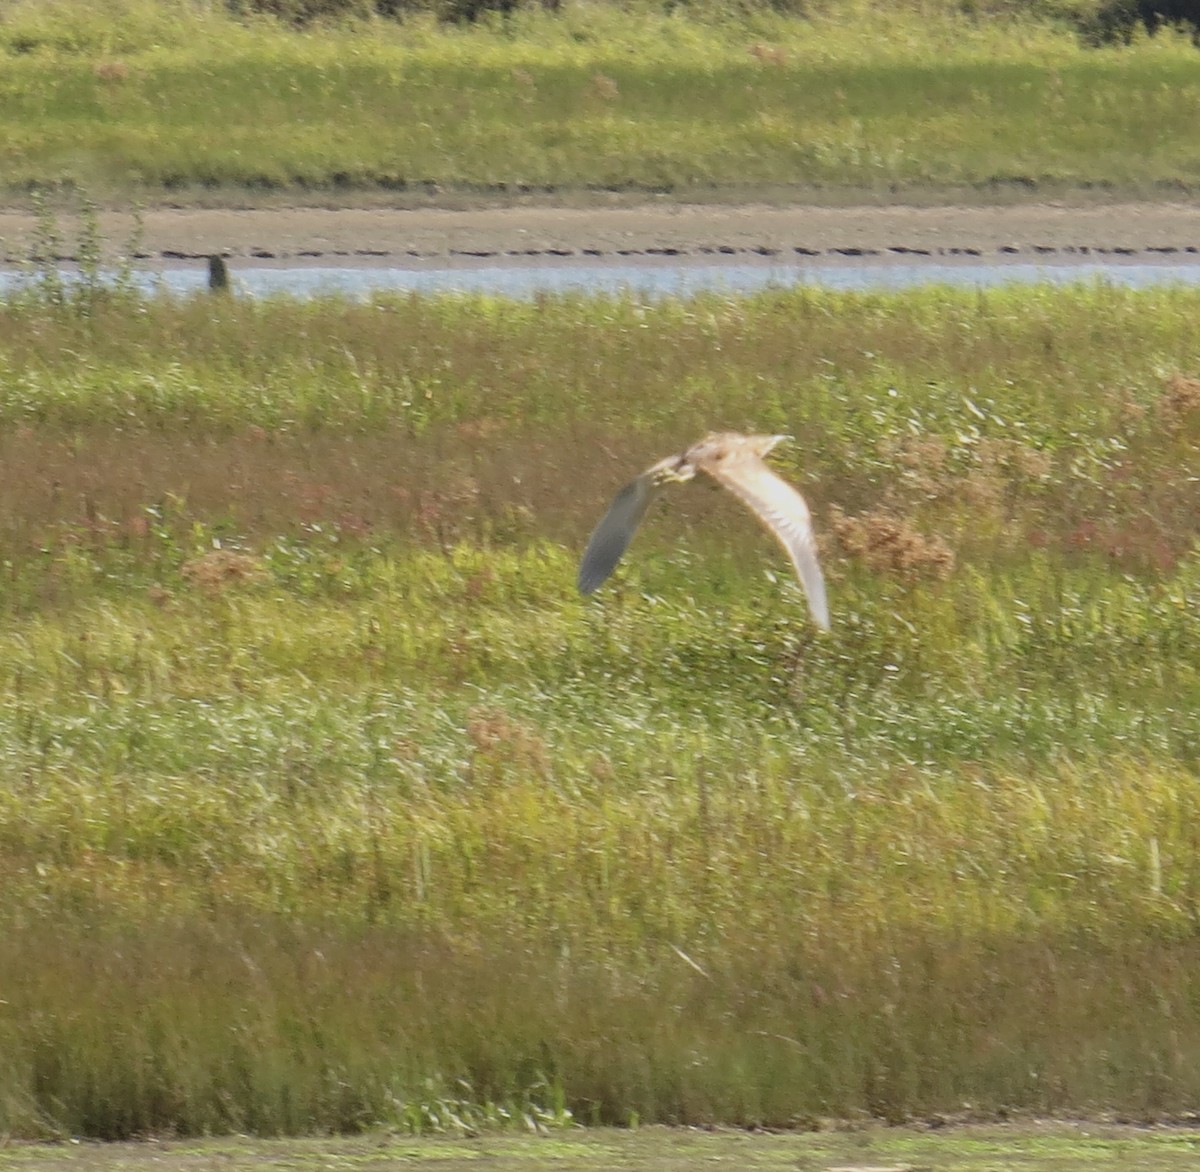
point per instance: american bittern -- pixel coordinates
(736, 462)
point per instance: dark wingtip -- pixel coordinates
(612, 535)
(595, 569)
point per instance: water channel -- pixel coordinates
(651, 277)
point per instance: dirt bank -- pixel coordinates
(1147, 231)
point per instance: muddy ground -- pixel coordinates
(421, 236)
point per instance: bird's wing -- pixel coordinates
(612, 536)
(782, 509)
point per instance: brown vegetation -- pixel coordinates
(220, 569)
(1180, 401)
(891, 545)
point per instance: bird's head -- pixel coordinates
(673, 470)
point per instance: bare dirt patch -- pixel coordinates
(418, 236)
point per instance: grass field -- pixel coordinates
(1035, 1147)
(328, 802)
(170, 99)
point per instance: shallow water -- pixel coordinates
(649, 278)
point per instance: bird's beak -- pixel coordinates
(678, 472)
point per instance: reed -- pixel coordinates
(328, 802)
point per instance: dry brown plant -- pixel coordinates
(981, 489)
(220, 569)
(922, 463)
(891, 545)
(1180, 401)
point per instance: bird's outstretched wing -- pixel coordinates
(612, 536)
(782, 510)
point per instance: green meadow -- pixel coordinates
(180, 100)
(329, 803)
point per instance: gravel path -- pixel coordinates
(382, 236)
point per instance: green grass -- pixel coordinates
(153, 97)
(1037, 1146)
(328, 802)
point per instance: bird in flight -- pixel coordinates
(736, 462)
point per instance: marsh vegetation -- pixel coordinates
(328, 801)
(177, 100)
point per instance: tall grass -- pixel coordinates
(855, 97)
(327, 801)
